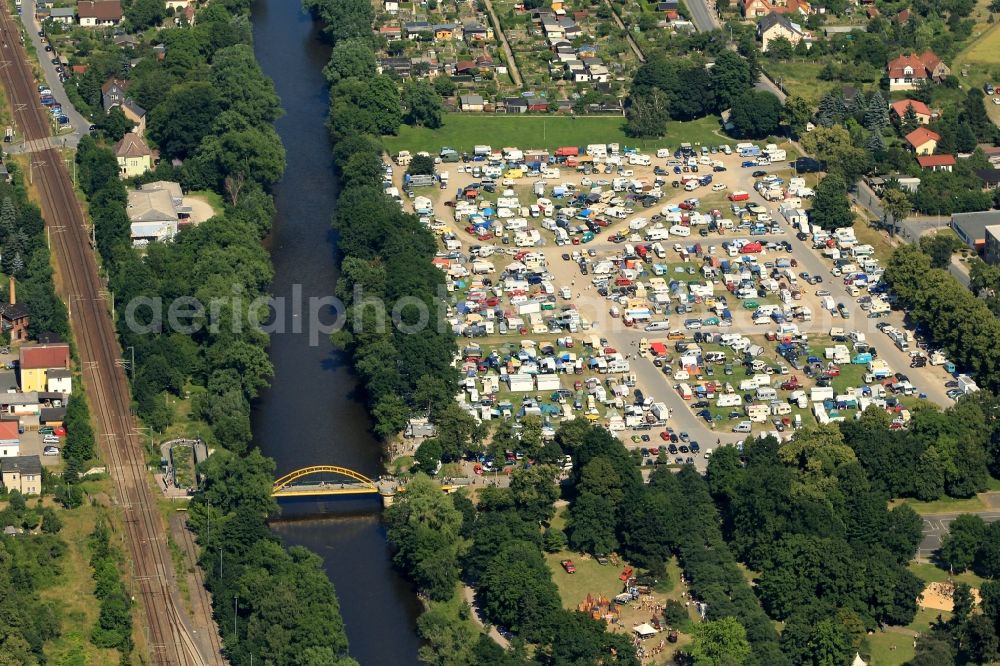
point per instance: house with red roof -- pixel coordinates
(921, 110)
(936, 162)
(908, 70)
(759, 8)
(37, 359)
(923, 141)
(10, 439)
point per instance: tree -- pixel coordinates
(534, 491)
(721, 642)
(796, 114)
(959, 546)
(755, 114)
(114, 125)
(730, 78)
(421, 165)
(831, 207)
(243, 87)
(897, 208)
(422, 105)
(909, 121)
(779, 49)
(144, 14)
(877, 114)
(425, 526)
(516, 591)
(940, 247)
(350, 58)
(449, 640)
(647, 115)
(178, 125)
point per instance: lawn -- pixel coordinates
(890, 649)
(930, 573)
(801, 78)
(945, 505)
(74, 593)
(462, 131)
(590, 578)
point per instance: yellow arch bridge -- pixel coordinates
(348, 482)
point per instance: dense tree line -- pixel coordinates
(211, 110)
(395, 330)
(24, 255)
(669, 88)
(114, 622)
(496, 547)
(28, 564)
(286, 611)
(954, 319)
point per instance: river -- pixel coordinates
(311, 414)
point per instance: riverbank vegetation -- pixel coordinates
(223, 142)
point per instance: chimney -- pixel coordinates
(13, 291)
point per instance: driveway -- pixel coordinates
(79, 123)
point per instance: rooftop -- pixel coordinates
(21, 464)
(36, 356)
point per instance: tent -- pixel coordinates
(644, 630)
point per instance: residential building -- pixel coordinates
(936, 162)
(774, 26)
(759, 8)
(113, 93)
(392, 6)
(58, 380)
(923, 141)
(417, 30)
(155, 211)
(99, 13)
(921, 110)
(23, 474)
(908, 70)
(471, 103)
(392, 33)
(990, 178)
(136, 114)
(64, 15)
(10, 439)
(474, 32)
(35, 360)
(400, 66)
(444, 31)
(134, 156)
(972, 229)
(14, 317)
(8, 382)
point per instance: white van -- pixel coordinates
(742, 426)
(679, 230)
(658, 326)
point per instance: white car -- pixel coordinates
(996, 100)
(50, 439)
(718, 187)
(50, 451)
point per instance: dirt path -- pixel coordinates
(470, 596)
(515, 74)
(628, 35)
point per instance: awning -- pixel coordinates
(644, 630)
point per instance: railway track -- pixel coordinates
(169, 635)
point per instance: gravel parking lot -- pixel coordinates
(928, 380)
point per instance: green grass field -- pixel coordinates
(930, 573)
(945, 505)
(890, 649)
(801, 77)
(462, 131)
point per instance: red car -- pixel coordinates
(59, 432)
(665, 436)
(568, 566)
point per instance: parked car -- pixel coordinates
(568, 566)
(50, 451)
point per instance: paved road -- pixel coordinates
(79, 123)
(936, 527)
(703, 17)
